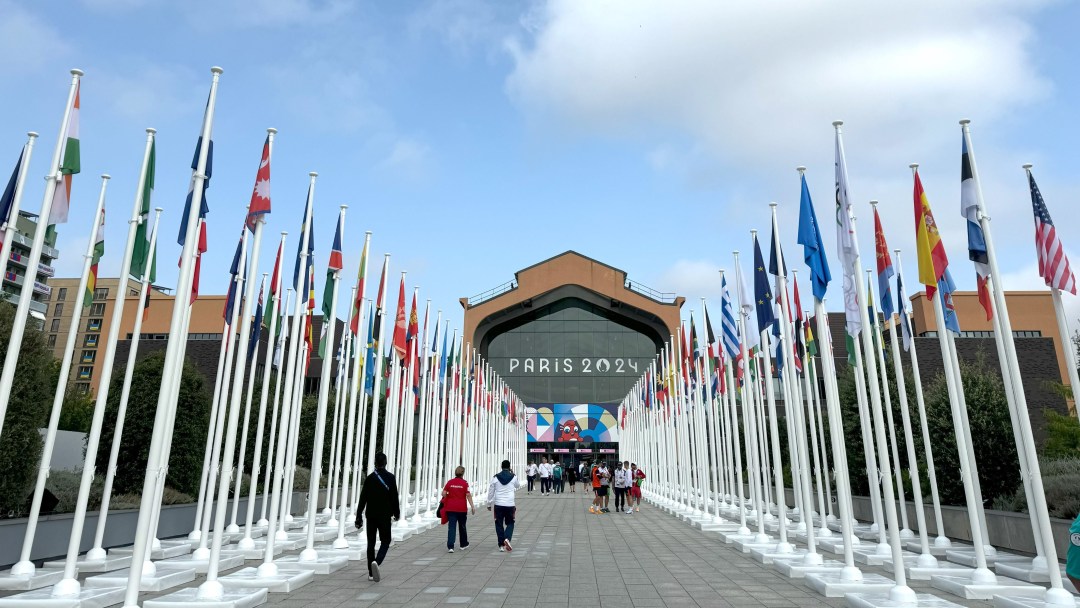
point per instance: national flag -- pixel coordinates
(846, 244)
(307, 226)
(198, 262)
(811, 342)
(763, 299)
(969, 208)
(372, 350)
(1053, 263)
(884, 268)
(412, 343)
(308, 336)
(751, 334)
(260, 196)
(728, 326)
(931, 251)
(333, 269)
(7, 201)
(800, 323)
(256, 324)
(442, 356)
(234, 271)
(204, 208)
(99, 250)
(775, 257)
(271, 305)
(69, 165)
(947, 287)
(813, 249)
(400, 329)
(143, 263)
(361, 281)
(901, 307)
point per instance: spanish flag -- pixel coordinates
(931, 251)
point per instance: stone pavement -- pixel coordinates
(564, 556)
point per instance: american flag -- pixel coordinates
(1053, 263)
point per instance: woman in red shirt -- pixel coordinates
(457, 501)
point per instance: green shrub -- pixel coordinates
(1062, 436)
(1061, 486)
(65, 486)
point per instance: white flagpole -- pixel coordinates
(1066, 348)
(25, 567)
(22, 311)
(16, 202)
(309, 554)
(755, 466)
(98, 552)
(373, 435)
(340, 387)
(359, 449)
(356, 387)
(277, 359)
(174, 355)
(215, 414)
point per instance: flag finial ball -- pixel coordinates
(344, 207)
(77, 72)
(773, 205)
(314, 174)
(965, 122)
(158, 209)
(106, 176)
(837, 123)
(1028, 165)
(801, 169)
(284, 233)
(753, 231)
(873, 203)
(151, 130)
(367, 232)
(272, 131)
(217, 70)
(32, 134)
(914, 165)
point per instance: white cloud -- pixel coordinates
(145, 93)
(408, 158)
(692, 279)
(461, 25)
(27, 43)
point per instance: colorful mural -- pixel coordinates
(566, 422)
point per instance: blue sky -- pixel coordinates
(477, 138)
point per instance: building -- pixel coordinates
(570, 336)
(16, 271)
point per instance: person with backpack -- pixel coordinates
(557, 477)
(379, 497)
(457, 502)
(501, 496)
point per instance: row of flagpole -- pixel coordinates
(429, 409)
(698, 426)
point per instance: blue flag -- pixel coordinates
(373, 347)
(204, 208)
(729, 328)
(8, 199)
(442, 358)
(304, 227)
(763, 299)
(946, 287)
(773, 257)
(810, 239)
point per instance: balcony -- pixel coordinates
(35, 306)
(20, 260)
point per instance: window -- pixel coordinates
(1027, 334)
(83, 388)
(85, 372)
(133, 292)
(93, 325)
(88, 356)
(55, 326)
(61, 294)
(101, 293)
(97, 309)
(90, 340)
(52, 340)
(58, 310)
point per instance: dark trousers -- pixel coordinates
(382, 526)
(620, 498)
(545, 485)
(455, 522)
(504, 523)
(557, 485)
(531, 479)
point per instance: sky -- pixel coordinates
(474, 139)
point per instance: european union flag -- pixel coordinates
(763, 299)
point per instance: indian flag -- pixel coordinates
(99, 250)
(69, 165)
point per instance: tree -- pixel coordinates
(28, 410)
(189, 431)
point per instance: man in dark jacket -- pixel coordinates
(379, 496)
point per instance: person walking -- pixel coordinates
(605, 485)
(530, 473)
(557, 477)
(501, 495)
(570, 474)
(597, 502)
(622, 484)
(637, 477)
(379, 503)
(456, 497)
(545, 476)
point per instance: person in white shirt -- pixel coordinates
(530, 472)
(501, 495)
(604, 475)
(545, 476)
(622, 484)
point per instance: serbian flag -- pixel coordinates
(931, 251)
(399, 323)
(69, 165)
(260, 196)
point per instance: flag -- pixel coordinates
(931, 251)
(969, 208)
(198, 262)
(204, 208)
(443, 356)
(728, 327)
(256, 325)
(901, 307)
(271, 305)
(399, 341)
(800, 322)
(8, 198)
(307, 226)
(811, 342)
(884, 268)
(750, 325)
(69, 165)
(1053, 263)
(810, 239)
(99, 250)
(373, 347)
(847, 246)
(308, 337)
(260, 196)
(234, 271)
(763, 299)
(774, 257)
(947, 287)
(143, 264)
(333, 267)
(411, 335)
(361, 280)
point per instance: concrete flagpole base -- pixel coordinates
(835, 544)
(832, 584)
(164, 578)
(970, 588)
(166, 551)
(324, 564)
(85, 598)
(42, 577)
(768, 553)
(282, 582)
(258, 548)
(882, 600)
(230, 598)
(1003, 601)
(872, 555)
(937, 551)
(227, 561)
(756, 542)
(323, 533)
(739, 536)
(1025, 570)
(355, 550)
(924, 571)
(966, 556)
(108, 563)
(794, 567)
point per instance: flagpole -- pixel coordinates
(8, 226)
(25, 567)
(22, 310)
(733, 427)
(278, 361)
(348, 464)
(215, 415)
(750, 414)
(811, 426)
(246, 353)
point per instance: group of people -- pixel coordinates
(379, 500)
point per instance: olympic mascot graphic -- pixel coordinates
(569, 431)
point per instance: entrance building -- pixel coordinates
(571, 335)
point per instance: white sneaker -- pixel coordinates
(375, 575)
(502, 549)
(450, 551)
